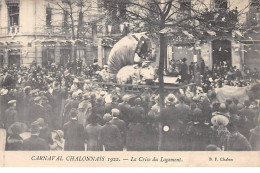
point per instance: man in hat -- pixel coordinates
(125, 109)
(99, 111)
(183, 110)
(73, 133)
(72, 103)
(169, 120)
(35, 143)
(74, 87)
(184, 70)
(198, 132)
(45, 132)
(11, 114)
(110, 136)
(138, 112)
(247, 119)
(92, 133)
(119, 123)
(112, 105)
(82, 114)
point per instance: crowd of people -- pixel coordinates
(62, 108)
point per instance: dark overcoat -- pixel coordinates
(74, 136)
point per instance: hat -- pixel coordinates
(240, 106)
(196, 98)
(115, 110)
(212, 147)
(102, 93)
(81, 105)
(105, 66)
(137, 101)
(126, 98)
(41, 122)
(35, 128)
(59, 133)
(17, 128)
(75, 80)
(73, 113)
(4, 91)
(75, 95)
(107, 117)
(37, 98)
(222, 107)
(170, 99)
(11, 102)
(135, 66)
(229, 101)
(86, 96)
(33, 91)
(219, 119)
(27, 88)
(114, 98)
(247, 103)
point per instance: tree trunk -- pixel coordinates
(161, 80)
(161, 69)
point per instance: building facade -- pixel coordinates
(39, 31)
(239, 47)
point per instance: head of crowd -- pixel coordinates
(71, 108)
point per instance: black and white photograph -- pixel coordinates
(130, 75)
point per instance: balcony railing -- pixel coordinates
(10, 31)
(13, 30)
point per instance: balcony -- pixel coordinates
(10, 31)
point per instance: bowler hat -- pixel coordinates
(11, 102)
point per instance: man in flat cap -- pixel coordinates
(11, 114)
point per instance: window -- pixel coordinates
(222, 4)
(80, 53)
(48, 16)
(13, 13)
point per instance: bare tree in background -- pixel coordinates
(161, 17)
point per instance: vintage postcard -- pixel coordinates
(167, 83)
